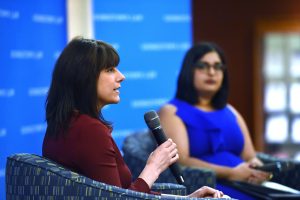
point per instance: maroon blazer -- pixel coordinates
(89, 149)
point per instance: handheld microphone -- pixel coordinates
(153, 123)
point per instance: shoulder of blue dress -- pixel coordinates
(228, 109)
(173, 102)
(182, 106)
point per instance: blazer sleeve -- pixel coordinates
(97, 158)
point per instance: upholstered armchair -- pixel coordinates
(136, 150)
(32, 177)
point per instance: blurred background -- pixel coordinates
(261, 39)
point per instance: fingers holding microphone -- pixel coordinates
(170, 151)
(164, 155)
(159, 160)
(171, 147)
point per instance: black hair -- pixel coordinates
(74, 83)
(185, 83)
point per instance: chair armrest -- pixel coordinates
(267, 158)
(289, 177)
(169, 188)
(194, 178)
(175, 189)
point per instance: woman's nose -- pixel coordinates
(121, 77)
(211, 70)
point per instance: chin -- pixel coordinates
(212, 89)
(209, 92)
(116, 101)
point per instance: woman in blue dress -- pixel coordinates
(209, 132)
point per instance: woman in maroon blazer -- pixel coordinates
(85, 79)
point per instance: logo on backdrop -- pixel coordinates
(47, 19)
(148, 103)
(143, 75)
(165, 46)
(7, 92)
(26, 54)
(38, 91)
(120, 17)
(9, 14)
(33, 129)
(176, 18)
(2, 132)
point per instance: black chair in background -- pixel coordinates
(136, 150)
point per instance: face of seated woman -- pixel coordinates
(208, 74)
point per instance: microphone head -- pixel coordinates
(152, 119)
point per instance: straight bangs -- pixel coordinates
(113, 58)
(109, 56)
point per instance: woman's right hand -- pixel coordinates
(243, 172)
(159, 160)
(163, 156)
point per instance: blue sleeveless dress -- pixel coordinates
(214, 136)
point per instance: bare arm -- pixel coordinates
(248, 152)
(175, 129)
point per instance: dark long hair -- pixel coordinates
(185, 83)
(74, 82)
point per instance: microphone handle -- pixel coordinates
(176, 170)
(159, 135)
(160, 138)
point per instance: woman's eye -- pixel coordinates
(112, 69)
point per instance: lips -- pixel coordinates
(210, 81)
(117, 89)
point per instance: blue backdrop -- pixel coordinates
(151, 37)
(32, 35)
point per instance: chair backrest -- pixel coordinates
(137, 148)
(31, 176)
